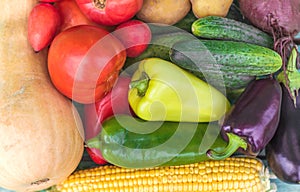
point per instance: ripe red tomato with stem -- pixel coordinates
(135, 36)
(84, 62)
(48, 1)
(71, 15)
(110, 12)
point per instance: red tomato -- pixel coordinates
(71, 15)
(48, 1)
(110, 12)
(43, 24)
(115, 102)
(135, 36)
(84, 62)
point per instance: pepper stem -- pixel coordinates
(94, 142)
(234, 142)
(141, 84)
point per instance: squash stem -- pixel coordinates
(141, 84)
(234, 142)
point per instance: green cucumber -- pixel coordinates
(230, 81)
(235, 63)
(230, 56)
(159, 46)
(235, 13)
(215, 27)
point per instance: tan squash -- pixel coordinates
(41, 135)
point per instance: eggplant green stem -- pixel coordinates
(94, 142)
(234, 142)
(141, 84)
(291, 76)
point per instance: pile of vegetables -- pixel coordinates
(137, 86)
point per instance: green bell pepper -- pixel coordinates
(162, 91)
(130, 142)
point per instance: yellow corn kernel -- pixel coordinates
(232, 174)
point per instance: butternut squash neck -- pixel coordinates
(15, 48)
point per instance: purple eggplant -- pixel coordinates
(283, 151)
(255, 115)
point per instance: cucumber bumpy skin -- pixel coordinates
(236, 63)
(231, 57)
(215, 27)
(160, 46)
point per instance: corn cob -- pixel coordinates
(231, 174)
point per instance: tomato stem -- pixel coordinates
(99, 3)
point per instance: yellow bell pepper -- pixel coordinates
(162, 91)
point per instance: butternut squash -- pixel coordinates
(41, 140)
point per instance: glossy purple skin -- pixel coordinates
(283, 151)
(255, 115)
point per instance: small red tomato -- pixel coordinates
(48, 1)
(71, 15)
(43, 24)
(135, 36)
(84, 62)
(110, 12)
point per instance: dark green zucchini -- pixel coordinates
(186, 22)
(159, 46)
(159, 28)
(215, 27)
(182, 25)
(235, 63)
(235, 13)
